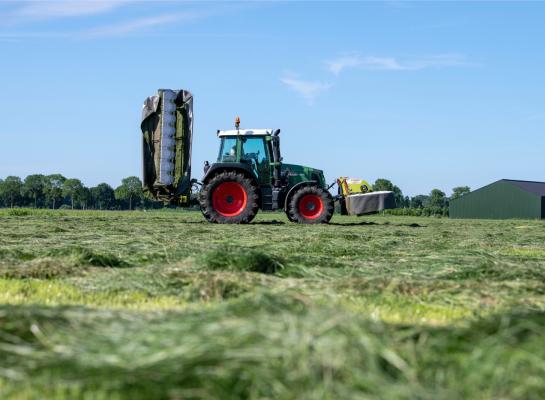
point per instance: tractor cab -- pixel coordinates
(253, 148)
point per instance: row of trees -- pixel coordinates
(56, 191)
(436, 200)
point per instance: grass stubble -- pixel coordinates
(146, 305)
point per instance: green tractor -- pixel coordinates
(248, 175)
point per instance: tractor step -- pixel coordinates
(269, 199)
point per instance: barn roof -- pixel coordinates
(529, 186)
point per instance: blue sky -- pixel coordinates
(429, 95)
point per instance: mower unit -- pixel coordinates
(356, 197)
(249, 173)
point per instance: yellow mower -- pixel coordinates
(356, 197)
(352, 186)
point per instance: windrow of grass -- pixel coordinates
(265, 345)
(136, 305)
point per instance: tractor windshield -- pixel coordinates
(248, 150)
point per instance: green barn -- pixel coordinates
(503, 199)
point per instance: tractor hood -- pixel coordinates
(300, 173)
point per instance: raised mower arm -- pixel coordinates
(167, 130)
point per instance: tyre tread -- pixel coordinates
(293, 205)
(207, 208)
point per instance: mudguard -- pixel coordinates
(229, 166)
(294, 188)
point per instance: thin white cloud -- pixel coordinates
(120, 28)
(16, 36)
(309, 90)
(31, 10)
(139, 24)
(336, 66)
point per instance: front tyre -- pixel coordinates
(229, 198)
(310, 205)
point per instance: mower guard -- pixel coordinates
(369, 203)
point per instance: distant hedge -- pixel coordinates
(419, 212)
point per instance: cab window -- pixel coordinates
(228, 150)
(253, 151)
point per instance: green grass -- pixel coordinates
(140, 305)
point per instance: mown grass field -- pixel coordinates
(153, 305)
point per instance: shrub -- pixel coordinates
(19, 212)
(417, 212)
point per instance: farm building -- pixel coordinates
(503, 199)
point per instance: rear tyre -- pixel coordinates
(229, 198)
(311, 205)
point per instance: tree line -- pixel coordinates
(436, 203)
(56, 191)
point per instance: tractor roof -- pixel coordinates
(246, 132)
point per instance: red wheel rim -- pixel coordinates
(311, 206)
(229, 199)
